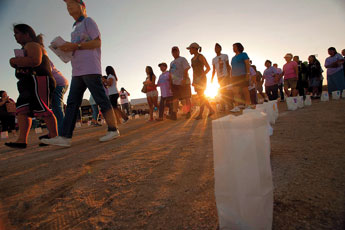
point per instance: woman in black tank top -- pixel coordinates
(199, 63)
(35, 85)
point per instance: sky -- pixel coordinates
(137, 33)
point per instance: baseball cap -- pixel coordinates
(162, 64)
(193, 45)
(81, 2)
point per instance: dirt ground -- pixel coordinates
(160, 176)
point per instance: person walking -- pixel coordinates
(124, 101)
(111, 83)
(290, 73)
(221, 66)
(164, 82)
(35, 85)
(7, 113)
(151, 90)
(180, 83)
(271, 78)
(95, 112)
(199, 63)
(86, 73)
(61, 88)
(240, 74)
(335, 73)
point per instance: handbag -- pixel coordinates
(11, 107)
(144, 89)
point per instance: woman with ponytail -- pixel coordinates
(35, 85)
(199, 63)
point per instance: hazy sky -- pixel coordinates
(137, 33)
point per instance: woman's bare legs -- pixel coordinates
(24, 123)
(51, 125)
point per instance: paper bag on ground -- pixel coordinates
(243, 178)
(64, 56)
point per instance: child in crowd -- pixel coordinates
(164, 82)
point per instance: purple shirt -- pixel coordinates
(59, 78)
(330, 60)
(164, 84)
(85, 62)
(269, 76)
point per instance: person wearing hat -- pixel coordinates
(180, 82)
(199, 63)
(86, 73)
(290, 73)
(164, 82)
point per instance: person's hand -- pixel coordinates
(13, 62)
(68, 47)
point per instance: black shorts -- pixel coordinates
(113, 100)
(239, 81)
(35, 94)
(181, 92)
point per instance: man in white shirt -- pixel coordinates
(221, 65)
(124, 101)
(180, 82)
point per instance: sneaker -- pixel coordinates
(110, 136)
(58, 141)
(235, 110)
(125, 121)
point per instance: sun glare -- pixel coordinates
(212, 89)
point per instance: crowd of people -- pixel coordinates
(42, 87)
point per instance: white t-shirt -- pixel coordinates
(252, 74)
(112, 89)
(177, 68)
(220, 63)
(123, 97)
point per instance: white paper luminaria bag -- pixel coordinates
(243, 177)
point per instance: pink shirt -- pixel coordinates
(289, 70)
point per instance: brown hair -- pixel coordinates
(239, 47)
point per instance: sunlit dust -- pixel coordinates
(212, 89)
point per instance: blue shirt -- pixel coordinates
(238, 66)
